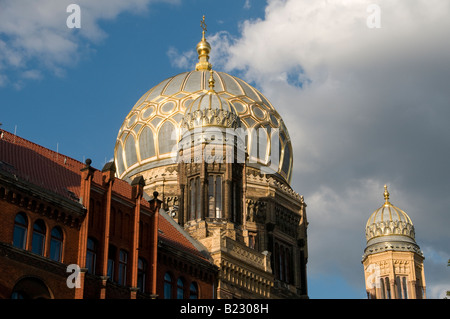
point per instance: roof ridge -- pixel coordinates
(18, 140)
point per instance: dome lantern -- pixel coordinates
(210, 109)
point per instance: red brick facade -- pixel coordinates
(56, 212)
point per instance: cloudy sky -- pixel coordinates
(363, 87)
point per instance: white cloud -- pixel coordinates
(181, 60)
(35, 33)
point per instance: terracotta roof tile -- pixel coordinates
(40, 166)
(177, 238)
(61, 174)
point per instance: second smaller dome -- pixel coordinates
(389, 220)
(210, 109)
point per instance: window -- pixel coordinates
(122, 278)
(283, 260)
(383, 296)
(38, 240)
(252, 240)
(402, 289)
(399, 287)
(20, 231)
(193, 291)
(91, 255)
(276, 261)
(287, 264)
(180, 288)
(111, 259)
(56, 244)
(388, 288)
(194, 198)
(405, 288)
(18, 295)
(234, 212)
(215, 196)
(142, 269)
(168, 286)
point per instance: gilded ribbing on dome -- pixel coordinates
(203, 50)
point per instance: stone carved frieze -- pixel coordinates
(256, 210)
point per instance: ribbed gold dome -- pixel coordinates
(390, 229)
(150, 133)
(389, 220)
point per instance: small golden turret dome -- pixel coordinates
(210, 109)
(203, 50)
(389, 220)
(389, 228)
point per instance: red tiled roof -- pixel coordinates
(175, 238)
(40, 166)
(61, 174)
(48, 169)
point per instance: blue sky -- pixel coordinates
(364, 107)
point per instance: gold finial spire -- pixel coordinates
(211, 81)
(203, 26)
(203, 49)
(386, 194)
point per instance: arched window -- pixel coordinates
(123, 258)
(215, 196)
(405, 288)
(180, 288)
(20, 231)
(168, 284)
(194, 198)
(193, 291)
(382, 290)
(388, 288)
(38, 240)
(31, 288)
(91, 255)
(142, 269)
(399, 287)
(56, 244)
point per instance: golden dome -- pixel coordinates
(389, 220)
(390, 229)
(149, 135)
